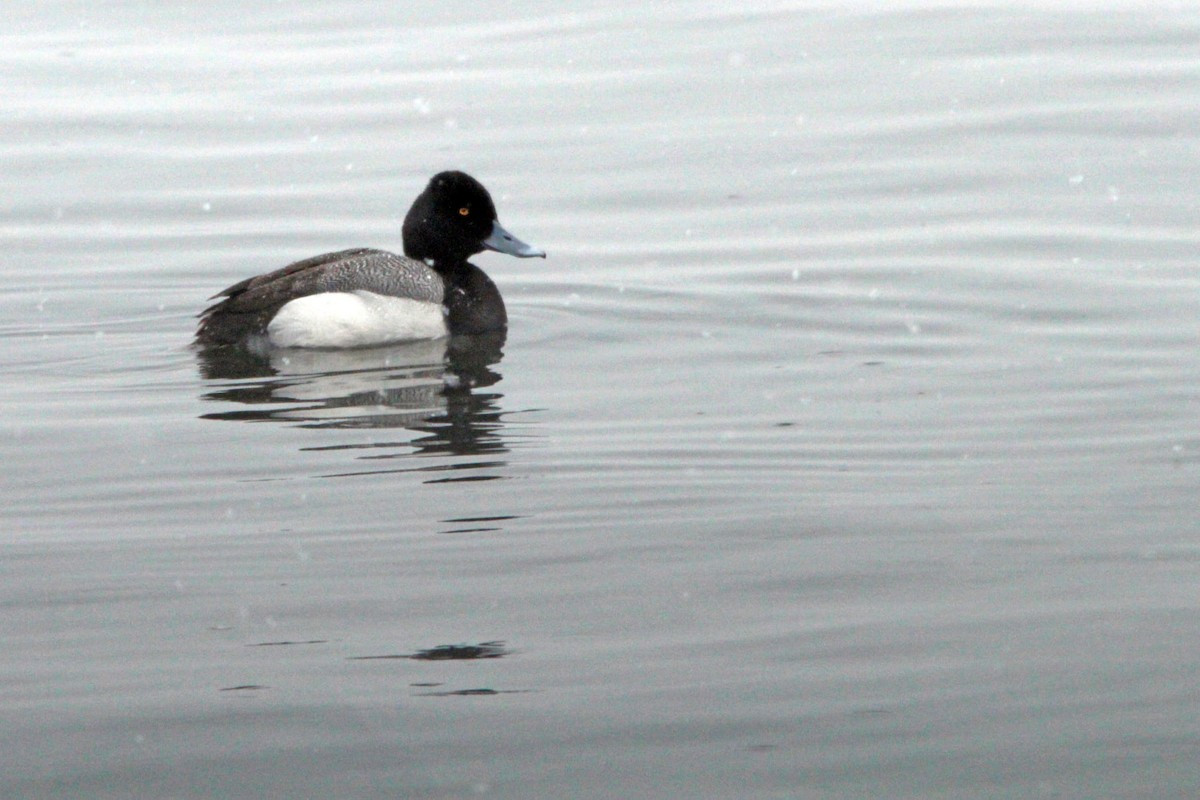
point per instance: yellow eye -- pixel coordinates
(464, 211)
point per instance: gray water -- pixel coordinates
(845, 446)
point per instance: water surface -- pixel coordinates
(844, 446)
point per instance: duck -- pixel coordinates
(363, 297)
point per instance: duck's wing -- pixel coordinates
(281, 276)
(247, 306)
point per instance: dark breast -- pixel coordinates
(473, 303)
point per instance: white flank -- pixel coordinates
(354, 319)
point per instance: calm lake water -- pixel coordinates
(845, 446)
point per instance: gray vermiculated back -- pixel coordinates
(384, 273)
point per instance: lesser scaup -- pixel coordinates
(361, 297)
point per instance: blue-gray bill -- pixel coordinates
(504, 242)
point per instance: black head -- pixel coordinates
(449, 220)
(452, 220)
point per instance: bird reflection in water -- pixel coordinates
(430, 386)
